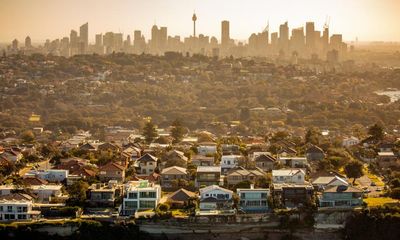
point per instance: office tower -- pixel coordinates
(325, 38)
(163, 39)
(310, 37)
(15, 44)
(274, 40)
(73, 42)
(284, 37)
(194, 19)
(84, 35)
(139, 44)
(154, 45)
(108, 42)
(336, 42)
(99, 40)
(118, 42)
(64, 47)
(28, 42)
(297, 41)
(258, 44)
(225, 38)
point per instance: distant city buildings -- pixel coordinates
(306, 43)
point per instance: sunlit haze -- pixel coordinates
(369, 20)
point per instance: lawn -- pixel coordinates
(375, 202)
(378, 181)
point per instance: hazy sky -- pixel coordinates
(41, 19)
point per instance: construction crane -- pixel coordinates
(266, 29)
(327, 21)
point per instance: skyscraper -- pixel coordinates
(310, 37)
(284, 37)
(28, 42)
(225, 38)
(99, 40)
(84, 35)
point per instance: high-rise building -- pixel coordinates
(325, 39)
(28, 42)
(163, 39)
(284, 37)
(99, 40)
(310, 37)
(297, 41)
(84, 35)
(225, 38)
(15, 44)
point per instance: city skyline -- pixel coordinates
(127, 16)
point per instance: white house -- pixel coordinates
(44, 192)
(328, 181)
(215, 197)
(207, 149)
(14, 207)
(229, 161)
(140, 195)
(293, 162)
(147, 163)
(350, 141)
(51, 175)
(293, 175)
(253, 200)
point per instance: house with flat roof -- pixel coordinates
(140, 195)
(341, 197)
(208, 175)
(253, 200)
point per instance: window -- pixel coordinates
(132, 195)
(147, 204)
(147, 195)
(9, 208)
(1, 208)
(131, 205)
(21, 216)
(19, 209)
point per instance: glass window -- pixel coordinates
(132, 195)
(147, 204)
(9, 208)
(131, 204)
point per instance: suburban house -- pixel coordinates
(208, 175)
(90, 147)
(200, 160)
(28, 181)
(293, 175)
(17, 206)
(265, 162)
(43, 193)
(230, 149)
(146, 164)
(104, 194)
(171, 174)
(51, 175)
(140, 195)
(387, 159)
(293, 162)
(315, 153)
(11, 155)
(341, 196)
(112, 171)
(287, 152)
(328, 181)
(350, 141)
(253, 200)
(240, 174)
(207, 148)
(107, 146)
(229, 162)
(181, 198)
(175, 155)
(292, 194)
(215, 198)
(132, 153)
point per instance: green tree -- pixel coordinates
(77, 191)
(313, 136)
(177, 131)
(354, 169)
(27, 136)
(150, 132)
(376, 131)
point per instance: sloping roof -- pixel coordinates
(314, 149)
(181, 195)
(287, 172)
(209, 169)
(327, 180)
(214, 187)
(34, 181)
(174, 170)
(16, 197)
(265, 158)
(147, 158)
(245, 172)
(341, 188)
(112, 166)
